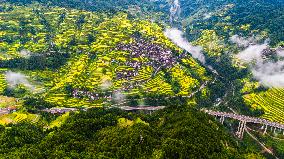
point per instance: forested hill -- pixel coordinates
(66, 65)
(253, 12)
(103, 5)
(99, 133)
(264, 15)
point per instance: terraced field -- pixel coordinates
(271, 101)
(39, 25)
(6, 102)
(111, 58)
(3, 83)
(132, 58)
(18, 117)
(59, 120)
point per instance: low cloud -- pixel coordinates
(25, 53)
(141, 102)
(280, 52)
(253, 52)
(269, 73)
(176, 37)
(175, 10)
(245, 42)
(240, 41)
(16, 78)
(207, 16)
(118, 96)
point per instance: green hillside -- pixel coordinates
(70, 69)
(270, 101)
(259, 15)
(129, 57)
(101, 57)
(212, 24)
(100, 133)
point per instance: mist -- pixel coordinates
(207, 16)
(253, 52)
(246, 41)
(175, 10)
(25, 53)
(176, 36)
(269, 73)
(141, 102)
(280, 52)
(118, 96)
(16, 78)
(241, 41)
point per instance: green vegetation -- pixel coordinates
(15, 117)
(94, 55)
(235, 17)
(136, 7)
(83, 51)
(9, 102)
(2, 83)
(211, 43)
(171, 133)
(59, 120)
(270, 101)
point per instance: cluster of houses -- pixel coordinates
(59, 110)
(91, 95)
(148, 54)
(7, 110)
(141, 53)
(273, 51)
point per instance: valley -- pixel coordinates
(141, 79)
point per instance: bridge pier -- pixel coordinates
(262, 127)
(241, 129)
(222, 119)
(265, 130)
